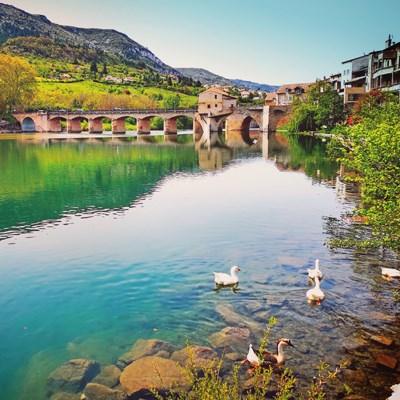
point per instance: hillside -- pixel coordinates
(255, 85)
(204, 76)
(16, 23)
(209, 78)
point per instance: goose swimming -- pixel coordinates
(221, 278)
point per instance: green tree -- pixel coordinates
(17, 83)
(322, 108)
(371, 147)
(93, 69)
(104, 71)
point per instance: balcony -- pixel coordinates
(382, 71)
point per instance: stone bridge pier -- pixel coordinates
(170, 126)
(118, 125)
(143, 126)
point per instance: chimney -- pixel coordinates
(389, 41)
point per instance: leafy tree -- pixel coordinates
(371, 147)
(104, 71)
(322, 108)
(17, 83)
(93, 68)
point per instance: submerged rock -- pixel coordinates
(65, 396)
(72, 376)
(144, 348)
(108, 376)
(95, 391)
(232, 317)
(232, 338)
(200, 357)
(151, 372)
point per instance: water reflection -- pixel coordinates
(45, 178)
(121, 230)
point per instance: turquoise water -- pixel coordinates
(107, 241)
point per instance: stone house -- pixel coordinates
(270, 99)
(215, 101)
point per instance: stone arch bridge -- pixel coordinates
(236, 119)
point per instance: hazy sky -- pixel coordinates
(265, 41)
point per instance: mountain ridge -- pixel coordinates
(207, 77)
(15, 22)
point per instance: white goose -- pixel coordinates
(312, 273)
(221, 278)
(315, 295)
(264, 358)
(390, 273)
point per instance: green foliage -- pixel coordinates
(55, 62)
(172, 101)
(322, 109)
(371, 147)
(17, 83)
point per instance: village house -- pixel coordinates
(287, 93)
(270, 99)
(114, 79)
(354, 80)
(384, 68)
(376, 70)
(215, 101)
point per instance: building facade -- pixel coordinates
(215, 101)
(287, 93)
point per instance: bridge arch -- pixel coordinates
(245, 127)
(28, 125)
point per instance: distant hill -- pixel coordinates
(204, 76)
(255, 86)
(207, 77)
(18, 23)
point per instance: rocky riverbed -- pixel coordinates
(155, 363)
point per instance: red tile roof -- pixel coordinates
(219, 91)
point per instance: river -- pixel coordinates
(108, 239)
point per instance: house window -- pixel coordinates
(216, 96)
(216, 105)
(208, 105)
(353, 96)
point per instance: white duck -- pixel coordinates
(265, 359)
(315, 295)
(312, 273)
(226, 279)
(390, 273)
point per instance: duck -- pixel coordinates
(264, 358)
(315, 295)
(226, 279)
(312, 273)
(390, 273)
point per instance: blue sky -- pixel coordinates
(265, 41)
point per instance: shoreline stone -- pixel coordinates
(151, 372)
(72, 376)
(201, 357)
(144, 348)
(108, 376)
(96, 391)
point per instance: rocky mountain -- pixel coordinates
(204, 76)
(207, 77)
(18, 23)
